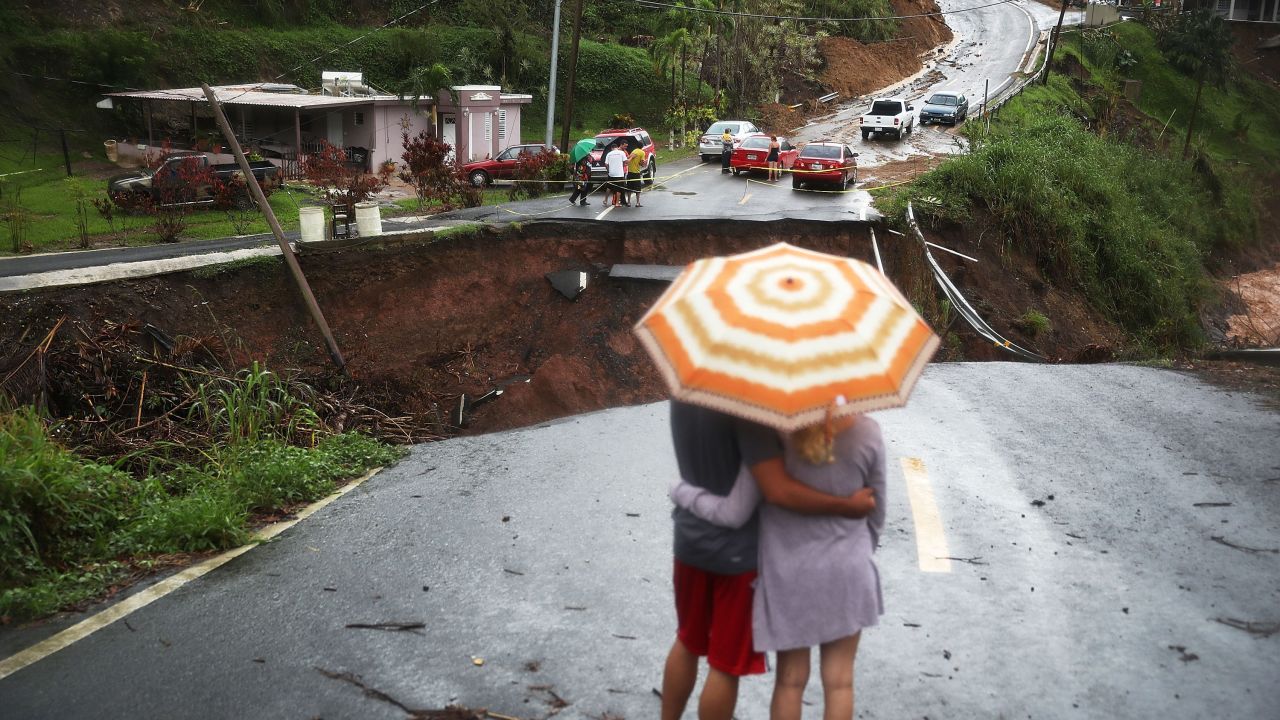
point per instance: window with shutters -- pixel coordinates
(502, 127)
(488, 127)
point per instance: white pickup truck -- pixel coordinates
(889, 115)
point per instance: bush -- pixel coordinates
(345, 185)
(536, 175)
(54, 507)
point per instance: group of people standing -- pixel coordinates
(774, 536)
(624, 162)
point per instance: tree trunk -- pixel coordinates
(573, 76)
(1195, 108)
(683, 53)
(702, 69)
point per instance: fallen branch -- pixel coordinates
(1261, 629)
(1223, 541)
(393, 626)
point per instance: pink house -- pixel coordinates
(284, 122)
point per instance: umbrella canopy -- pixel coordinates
(581, 149)
(779, 334)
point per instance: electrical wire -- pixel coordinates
(654, 4)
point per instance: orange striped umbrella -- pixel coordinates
(778, 335)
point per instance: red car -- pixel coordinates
(484, 172)
(827, 162)
(753, 153)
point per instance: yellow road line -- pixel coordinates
(744, 199)
(92, 624)
(931, 541)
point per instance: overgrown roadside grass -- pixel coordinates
(1238, 122)
(71, 527)
(1129, 228)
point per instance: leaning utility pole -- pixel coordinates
(1053, 41)
(551, 92)
(573, 73)
(252, 182)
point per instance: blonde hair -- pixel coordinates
(815, 444)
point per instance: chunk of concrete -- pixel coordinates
(569, 283)
(664, 273)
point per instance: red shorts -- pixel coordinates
(714, 616)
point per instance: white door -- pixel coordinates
(449, 134)
(334, 118)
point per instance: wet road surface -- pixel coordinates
(1105, 546)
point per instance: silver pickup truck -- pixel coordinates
(889, 115)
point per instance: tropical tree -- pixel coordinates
(426, 81)
(1199, 44)
(667, 52)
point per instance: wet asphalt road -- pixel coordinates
(1114, 531)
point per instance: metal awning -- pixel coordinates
(246, 95)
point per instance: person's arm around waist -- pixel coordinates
(731, 511)
(778, 487)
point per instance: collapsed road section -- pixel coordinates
(461, 330)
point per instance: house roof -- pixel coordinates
(247, 95)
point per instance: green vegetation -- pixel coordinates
(1034, 323)
(1129, 227)
(1132, 51)
(70, 527)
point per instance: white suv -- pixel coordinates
(709, 144)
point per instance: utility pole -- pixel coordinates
(290, 260)
(1053, 41)
(573, 76)
(555, 52)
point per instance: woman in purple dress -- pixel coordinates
(818, 584)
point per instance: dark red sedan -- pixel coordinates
(485, 172)
(825, 162)
(753, 154)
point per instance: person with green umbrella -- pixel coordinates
(580, 156)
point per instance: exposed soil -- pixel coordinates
(1258, 325)
(852, 68)
(423, 323)
(1263, 63)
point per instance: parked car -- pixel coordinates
(634, 136)
(948, 106)
(185, 178)
(888, 115)
(825, 161)
(484, 172)
(709, 144)
(753, 154)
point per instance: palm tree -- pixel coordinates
(424, 81)
(1199, 43)
(666, 51)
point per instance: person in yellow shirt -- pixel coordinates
(635, 164)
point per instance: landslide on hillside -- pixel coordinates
(853, 68)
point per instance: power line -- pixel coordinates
(333, 50)
(711, 11)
